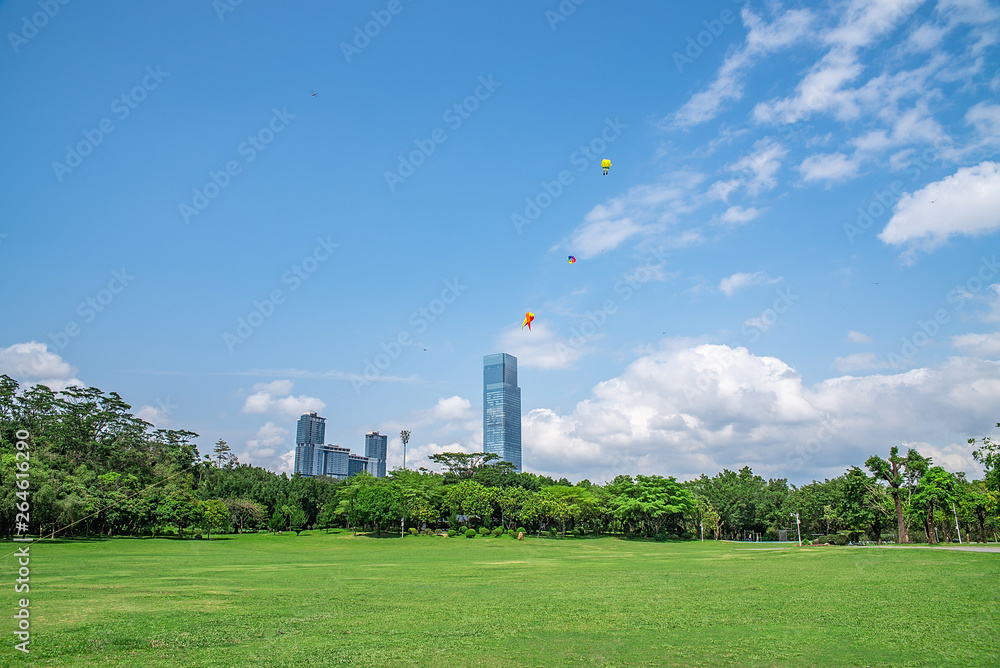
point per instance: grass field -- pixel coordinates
(340, 600)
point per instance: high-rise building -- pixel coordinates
(376, 446)
(310, 432)
(358, 463)
(502, 408)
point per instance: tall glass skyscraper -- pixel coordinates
(309, 434)
(502, 408)
(375, 448)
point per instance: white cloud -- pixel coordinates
(858, 337)
(829, 167)
(541, 347)
(261, 449)
(982, 345)
(643, 208)
(985, 117)
(731, 284)
(965, 203)
(760, 166)
(452, 408)
(32, 363)
(274, 387)
(265, 400)
(154, 415)
(859, 362)
(689, 409)
(762, 39)
(737, 215)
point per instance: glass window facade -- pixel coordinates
(376, 446)
(502, 408)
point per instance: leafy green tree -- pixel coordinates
(937, 489)
(296, 519)
(471, 499)
(652, 502)
(988, 454)
(216, 515)
(895, 471)
(222, 452)
(379, 504)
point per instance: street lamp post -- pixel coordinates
(798, 529)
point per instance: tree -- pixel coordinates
(462, 465)
(215, 514)
(892, 472)
(988, 454)
(378, 503)
(471, 499)
(296, 519)
(222, 453)
(937, 490)
(652, 502)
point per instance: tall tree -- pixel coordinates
(895, 471)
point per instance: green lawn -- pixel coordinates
(321, 600)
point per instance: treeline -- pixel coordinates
(92, 467)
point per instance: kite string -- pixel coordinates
(101, 510)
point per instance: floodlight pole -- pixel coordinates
(405, 436)
(956, 522)
(798, 529)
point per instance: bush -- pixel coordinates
(521, 530)
(673, 536)
(660, 537)
(427, 532)
(198, 536)
(512, 533)
(553, 533)
(452, 533)
(575, 532)
(498, 531)
(483, 531)
(687, 535)
(470, 533)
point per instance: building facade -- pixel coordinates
(376, 447)
(502, 408)
(309, 433)
(312, 457)
(358, 463)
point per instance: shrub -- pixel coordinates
(512, 533)
(427, 532)
(451, 533)
(470, 533)
(660, 537)
(687, 535)
(521, 530)
(498, 531)
(198, 536)
(553, 533)
(483, 531)
(673, 536)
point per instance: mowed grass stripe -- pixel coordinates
(263, 600)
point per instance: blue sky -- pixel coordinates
(791, 265)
